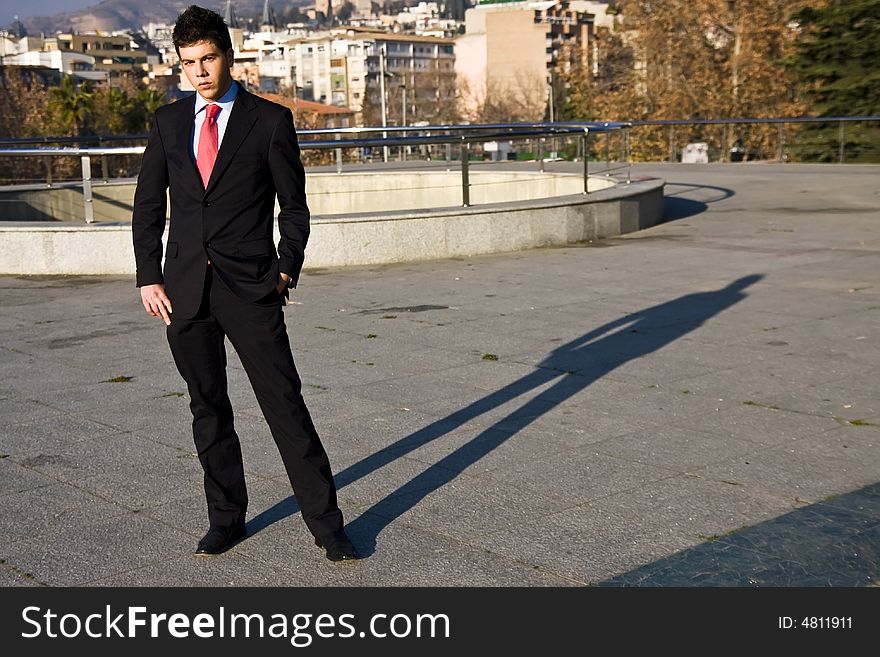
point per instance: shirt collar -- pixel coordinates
(225, 101)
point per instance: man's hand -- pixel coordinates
(283, 280)
(156, 302)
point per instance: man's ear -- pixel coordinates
(230, 57)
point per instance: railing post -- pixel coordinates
(725, 138)
(338, 156)
(88, 207)
(841, 148)
(586, 150)
(607, 153)
(541, 154)
(465, 178)
(105, 175)
(47, 161)
(780, 142)
(672, 143)
(626, 155)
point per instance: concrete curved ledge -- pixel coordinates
(329, 193)
(521, 221)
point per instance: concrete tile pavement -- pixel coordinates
(700, 397)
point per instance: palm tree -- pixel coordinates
(148, 101)
(72, 105)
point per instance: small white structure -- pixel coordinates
(69, 63)
(697, 153)
(498, 149)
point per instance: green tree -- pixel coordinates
(72, 105)
(345, 11)
(147, 101)
(836, 63)
(111, 111)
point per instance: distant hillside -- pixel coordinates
(131, 14)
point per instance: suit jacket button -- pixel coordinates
(207, 204)
(207, 244)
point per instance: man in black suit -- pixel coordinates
(225, 155)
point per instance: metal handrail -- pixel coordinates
(449, 134)
(475, 133)
(780, 122)
(121, 150)
(595, 126)
(777, 119)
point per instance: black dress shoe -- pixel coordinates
(338, 546)
(219, 539)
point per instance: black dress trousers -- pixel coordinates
(258, 333)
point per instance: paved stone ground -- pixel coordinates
(695, 404)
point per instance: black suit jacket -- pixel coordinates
(231, 220)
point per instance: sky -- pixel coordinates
(24, 8)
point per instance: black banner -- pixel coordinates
(429, 621)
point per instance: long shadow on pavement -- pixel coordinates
(676, 205)
(572, 366)
(832, 543)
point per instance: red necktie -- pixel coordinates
(208, 143)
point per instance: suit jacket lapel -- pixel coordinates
(183, 139)
(240, 123)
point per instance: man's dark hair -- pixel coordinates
(200, 24)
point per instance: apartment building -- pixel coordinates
(512, 49)
(117, 54)
(419, 76)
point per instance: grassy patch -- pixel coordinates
(490, 357)
(118, 379)
(370, 336)
(769, 407)
(389, 316)
(173, 394)
(858, 422)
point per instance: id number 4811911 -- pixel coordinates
(815, 623)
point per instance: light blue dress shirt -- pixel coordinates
(225, 102)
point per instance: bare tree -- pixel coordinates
(688, 59)
(523, 98)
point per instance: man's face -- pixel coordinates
(207, 68)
